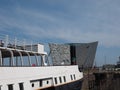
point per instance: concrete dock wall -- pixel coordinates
(102, 81)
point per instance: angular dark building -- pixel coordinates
(82, 54)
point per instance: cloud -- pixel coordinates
(92, 21)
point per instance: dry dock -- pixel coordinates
(101, 81)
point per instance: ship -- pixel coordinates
(26, 67)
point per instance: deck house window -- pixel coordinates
(60, 79)
(10, 87)
(21, 86)
(64, 78)
(74, 77)
(40, 83)
(55, 80)
(71, 77)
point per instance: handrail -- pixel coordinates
(12, 57)
(29, 59)
(13, 45)
(36, 59)
(20, 57)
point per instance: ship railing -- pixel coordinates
(15, 43)
(15, 58)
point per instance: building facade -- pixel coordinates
(60, 54)
(82, 54)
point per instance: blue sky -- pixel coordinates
(65, 21)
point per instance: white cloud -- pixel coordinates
(99, 22)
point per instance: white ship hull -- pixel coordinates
(37, 78)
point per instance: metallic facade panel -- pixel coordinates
(85, 54)
(60, 54)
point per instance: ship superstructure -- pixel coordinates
(24, 67)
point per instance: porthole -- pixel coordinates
(47, 82)
(32, 84)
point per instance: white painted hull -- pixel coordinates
(36, 78)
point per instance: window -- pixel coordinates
(71, 77)
(32, 84)
(47, 82)
(21, 86)
(10, 87)
(74, 77)
(55, 80)
(64, 78)
(73, 54)
(40, 83)
(60, 79)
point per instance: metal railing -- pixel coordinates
(6, 41)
